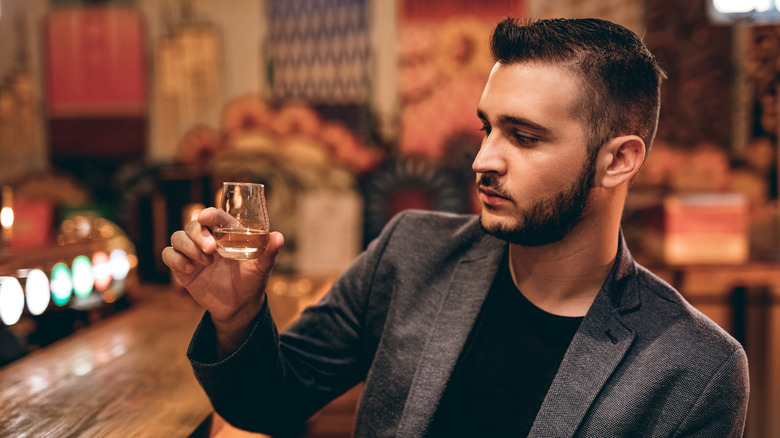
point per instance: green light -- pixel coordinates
(83, 279)
(61, 284)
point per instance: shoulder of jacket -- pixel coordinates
(435, 227)
(428, 234)
(675, 310)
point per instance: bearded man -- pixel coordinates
(531, 319)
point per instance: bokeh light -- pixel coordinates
(101, 270)
(61, 284)
(109, 296)
(6, 217)
(38, 293)
(11, 300)
(120, 266)
(83, 279)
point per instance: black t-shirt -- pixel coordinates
(506, 367)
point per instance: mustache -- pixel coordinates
(492, 183)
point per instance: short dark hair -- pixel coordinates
(621, 79)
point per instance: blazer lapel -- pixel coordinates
(470, 284)
(595, 352)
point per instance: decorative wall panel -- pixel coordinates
(318, 51)
(188, 74)
(696, 98)
(444, 63)
(95, 62)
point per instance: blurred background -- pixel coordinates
(120, 119)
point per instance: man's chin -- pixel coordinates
(495, 225)
(516, 233)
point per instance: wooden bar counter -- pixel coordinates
(126, 376)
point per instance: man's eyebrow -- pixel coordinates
(505, 119)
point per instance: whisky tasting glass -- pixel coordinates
(243, 227)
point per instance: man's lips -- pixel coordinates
(491, 197)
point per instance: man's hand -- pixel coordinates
(232, 291)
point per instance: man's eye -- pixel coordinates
(524, 139)
(485, 129)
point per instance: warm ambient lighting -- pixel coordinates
(7, 217)
(11, 300)
(61, 284)
(82, 284)
(38, 293)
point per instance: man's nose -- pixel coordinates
(489, 158)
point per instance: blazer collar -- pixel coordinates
(620, 285)
(598, 347)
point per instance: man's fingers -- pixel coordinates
(212, 217)
(275, 243)
(207, 217)
(177, 262)
(201, 236)
(194, 244)
(268, 260)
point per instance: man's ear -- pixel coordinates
(619, 160)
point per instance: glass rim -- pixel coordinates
(235, 183)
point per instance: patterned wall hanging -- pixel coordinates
(95, 62)
(763, 74)
(21, 142)
(19, 126)
(188, 77)
(444, 63)
(696, 54)
(96, 83)
(318, 51)
(762, 71)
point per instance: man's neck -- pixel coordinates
(564, 278)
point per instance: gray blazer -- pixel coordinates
(643, 362)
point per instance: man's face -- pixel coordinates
(534, 172)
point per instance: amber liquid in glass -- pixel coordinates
(240, 244)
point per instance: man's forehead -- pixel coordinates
(523, 89)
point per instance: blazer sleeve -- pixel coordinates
(274, 382)
(721, 409)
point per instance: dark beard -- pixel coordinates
(548, 220)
